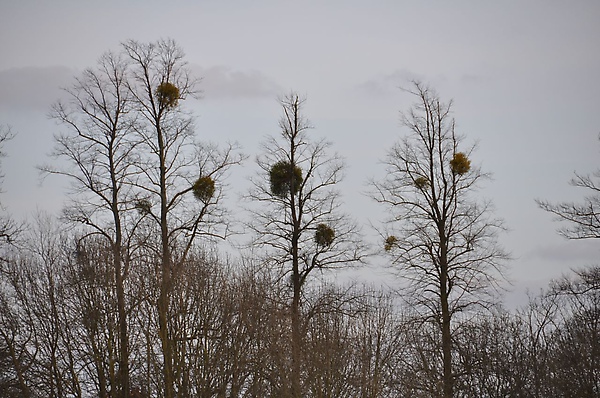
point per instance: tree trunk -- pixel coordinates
(166, 272)
(295, 315)
(448, 379)
(123, 375)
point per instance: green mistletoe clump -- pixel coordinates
(285, 178)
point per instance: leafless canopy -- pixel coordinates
(438, 228)
(443, 240)
(583, 219)
(291, 220)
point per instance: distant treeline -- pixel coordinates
(231, 333)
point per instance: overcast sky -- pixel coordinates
(524, 77)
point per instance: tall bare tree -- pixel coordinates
(180, 179)
(98, 147)
(445, 240)
(299, 216)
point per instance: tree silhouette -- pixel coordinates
(444, 241)
(299, 219)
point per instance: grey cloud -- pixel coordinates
(36, 88)
(33, 88)
(221, 82)
(387, 85)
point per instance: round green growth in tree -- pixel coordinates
(143, 206)
(390, 242)
(168, 94)
(285, 178)
(460, 164)
(421, 182)
(204, 189)
(324, 235)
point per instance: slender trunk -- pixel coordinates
(447, 349)
(163, 308)
(295, 311)
(296, 275)
(123, 375)
(165, 286)
(123, 353)
(448, 379)
(296, 336)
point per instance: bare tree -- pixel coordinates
(180, 181)
(352, 344)
(38, 294)
(575, 344)
(445, 240)
(8, 228)
(15, 337)
(299, 217)
(583, 219)
(18, 334)
(580, 297)
(98, 147)
(493, 356)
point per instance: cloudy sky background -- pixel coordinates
(524, 75)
